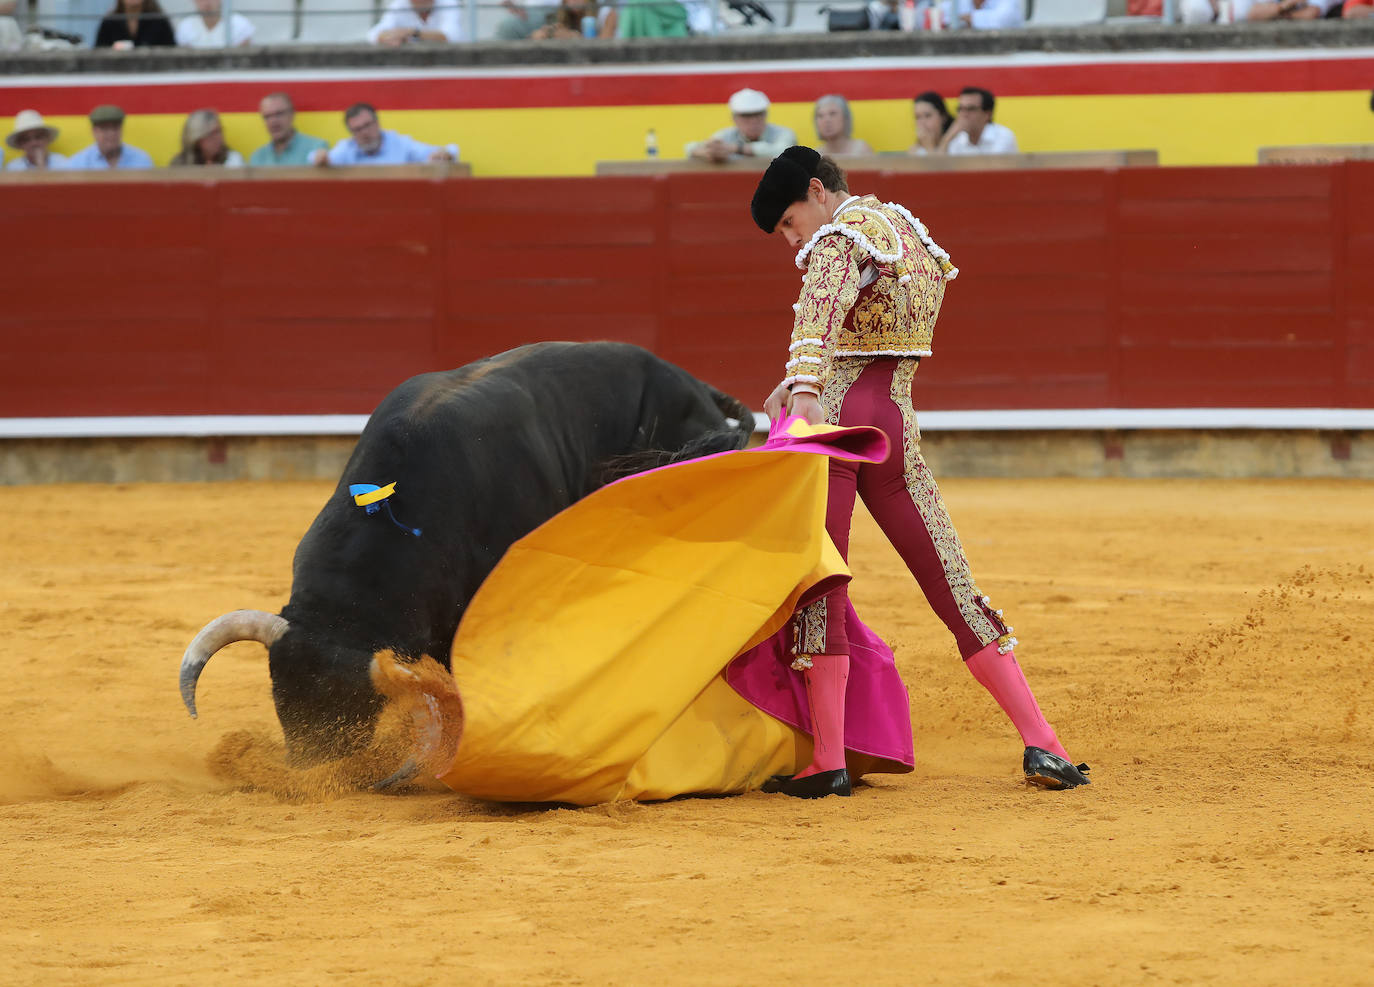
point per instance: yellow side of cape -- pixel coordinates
(590, 661)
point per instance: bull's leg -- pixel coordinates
(428, 693)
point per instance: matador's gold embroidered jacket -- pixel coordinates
(873, 286)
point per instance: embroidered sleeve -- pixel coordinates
(829, 289)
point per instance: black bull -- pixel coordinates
(481, 456)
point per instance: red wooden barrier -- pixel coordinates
(1197, 287)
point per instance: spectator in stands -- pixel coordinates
(288, 146)
(31, 137)
(202, 142)
(835, 127)
(1287, 10)
(934, 124)
(521, 21)
(973, 131)
(11, 34)
(752, 136)
(659, 20)
(407, 21)
(1189, 11)
(109, 150)
(371, 145)
(987, 15)
(1358, 8)
(140, 23)
(206, 28)
(566, 22)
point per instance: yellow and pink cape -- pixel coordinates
(594, 663)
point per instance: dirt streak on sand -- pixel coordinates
(1203, 644)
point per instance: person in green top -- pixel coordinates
(288, 147)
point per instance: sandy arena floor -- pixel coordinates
(1203, 644)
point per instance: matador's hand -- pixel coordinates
(773, 406)
(807, 406)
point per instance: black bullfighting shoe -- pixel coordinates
(775, 783)
(818, 785)
(1052, 771)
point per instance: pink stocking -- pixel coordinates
(826, 681)
(1001, 675)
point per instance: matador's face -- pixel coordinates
(802, 219)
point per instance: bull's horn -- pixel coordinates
(241, 625)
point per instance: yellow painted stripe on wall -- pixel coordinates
(1188, 129)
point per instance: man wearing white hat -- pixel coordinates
(752, 136)
(32, 138)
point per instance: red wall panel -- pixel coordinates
(1137, 288)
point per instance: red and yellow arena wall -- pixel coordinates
(1190, 287)
(1194, 108)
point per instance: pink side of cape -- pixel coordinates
(877, 712)
(877, 709)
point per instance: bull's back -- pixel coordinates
(481, 456)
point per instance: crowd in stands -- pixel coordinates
(142, 23)
(406, 21)
(1228, 11)
(938, 131)
(750, 135)
(203, 143)
(970, 130)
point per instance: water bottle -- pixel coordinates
(651, 144)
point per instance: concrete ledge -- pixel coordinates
(1153, 453)
(721, 48)
(996, 420)
(1041, 452)
(186, 459)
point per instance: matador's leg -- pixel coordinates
(821, 643)
(903, 498)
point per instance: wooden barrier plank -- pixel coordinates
(1219, 290)
(119, 233)
(519, 298)
(477, 261)
(1163, 184)
(1281, 216)
(1184, 253)
(1133, 288)
(329, 299)
(1250, 329)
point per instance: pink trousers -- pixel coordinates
(901, 495)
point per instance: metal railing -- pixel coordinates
(347, 21)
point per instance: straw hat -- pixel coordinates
(29, 120)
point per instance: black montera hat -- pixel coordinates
(782, 184)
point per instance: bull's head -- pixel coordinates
(324, 696)
(328, 697)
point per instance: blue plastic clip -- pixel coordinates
(372, 498)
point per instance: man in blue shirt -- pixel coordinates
(109, 149)
(371, 145)
(288, 146)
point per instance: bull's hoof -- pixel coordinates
(403, 774)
